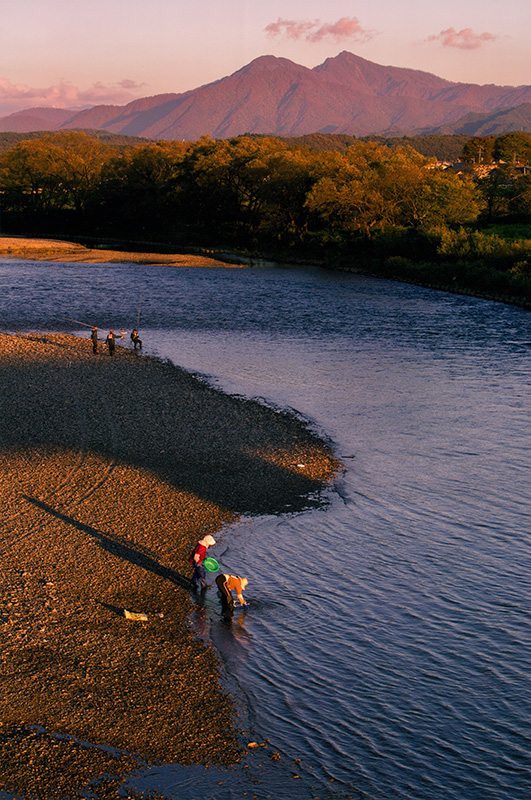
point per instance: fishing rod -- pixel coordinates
(79, 323)
(138, 318)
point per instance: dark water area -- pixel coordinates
(385, 650)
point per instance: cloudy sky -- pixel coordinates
(76, 53)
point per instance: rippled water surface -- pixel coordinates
(386, 644)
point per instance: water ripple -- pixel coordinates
(386, 643)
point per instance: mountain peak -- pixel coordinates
(379, 79)
(270, 64)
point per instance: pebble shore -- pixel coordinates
(111, 467)
(71, 252)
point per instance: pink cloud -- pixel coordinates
(316, 31)
(130, 85)
(464, 40)
(18, 96)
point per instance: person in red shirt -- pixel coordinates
(197, 557)
(111, 338)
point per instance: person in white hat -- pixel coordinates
(197, 557)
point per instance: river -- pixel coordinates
(384, 654)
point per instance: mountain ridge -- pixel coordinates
(270, 95)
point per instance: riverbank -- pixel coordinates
(110, 469)
(479, 282)
(58, 250)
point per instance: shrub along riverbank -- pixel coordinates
(469, 262)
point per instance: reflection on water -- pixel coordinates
(386, 640)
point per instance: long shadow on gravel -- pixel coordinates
(116, 546)
(237, 453)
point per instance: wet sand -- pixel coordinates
(110, 469)
(57, 250)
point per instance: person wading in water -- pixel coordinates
(197, 557)
(228, 584)
(111, 338)
(135, 338)
(94, 337)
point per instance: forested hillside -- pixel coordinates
(10, 139)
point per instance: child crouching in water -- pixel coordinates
(226, 585)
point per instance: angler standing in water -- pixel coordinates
(135, 338)
(111, 338)
(94, 337)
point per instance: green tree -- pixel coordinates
(520, 202)
(376, 188)
(244, 188)
(52, 173)
(479, 150)
(346, 198)
(205, 196)
(513, 148)
(448, 199)
(497, 189)
(282, 180)
(29, 182)
(137, 190)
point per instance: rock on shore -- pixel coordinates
(110, 469)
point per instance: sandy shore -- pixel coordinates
(56, 250)
(110, 469)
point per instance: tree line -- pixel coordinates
(390, 206)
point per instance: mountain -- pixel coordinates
(35, 119)
(346, 94)
(507, 120)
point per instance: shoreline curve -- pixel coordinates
(110, 469)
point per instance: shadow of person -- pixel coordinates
(117, 546)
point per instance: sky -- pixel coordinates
(80, 53)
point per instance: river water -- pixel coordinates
(384, 654)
